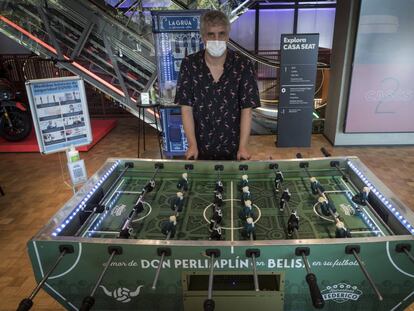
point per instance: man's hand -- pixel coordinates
(243, 154)
(191, 153)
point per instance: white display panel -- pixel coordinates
(60, 113)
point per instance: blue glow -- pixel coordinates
(382, 198)
(82, 204)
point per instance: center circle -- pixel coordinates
(229, 228)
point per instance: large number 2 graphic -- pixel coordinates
(395, 85)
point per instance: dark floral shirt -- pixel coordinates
(217, 105)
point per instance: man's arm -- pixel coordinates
(188, 124)
(245, 127)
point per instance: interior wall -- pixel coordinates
(346, 22)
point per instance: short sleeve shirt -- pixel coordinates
(217, 105)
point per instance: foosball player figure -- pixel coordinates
(246, 194)
(362, 197)
(327, 207)
(219, 186)
(218, 198)
(249, 229)
(278, 180)
(168, 226)
(341, 231)
(247, 211)
(244, 181)
(217, 216)
(149, 186)
(293, 222)
(183, 182)
(216, 232)
(316, 187)
(177, 203)
(284, 198)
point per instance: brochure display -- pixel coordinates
(60, 113)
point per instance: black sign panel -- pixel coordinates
(299, 56)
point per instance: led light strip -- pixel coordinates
(82, 204)
(102, 217)
(382, 198)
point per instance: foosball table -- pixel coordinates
(299, 234)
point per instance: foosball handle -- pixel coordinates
(87, 303)
(325, 152)
(25, 304)
(316, 295)
(209, 305)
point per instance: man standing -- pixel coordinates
(217, 90)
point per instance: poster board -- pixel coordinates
(60, 113)
(298, 66)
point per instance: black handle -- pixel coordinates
(209, 305)
(316, 296)
(325, 152)
(299, 155)
(25, 304)
(87, 303)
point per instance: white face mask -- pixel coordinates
(216, 48)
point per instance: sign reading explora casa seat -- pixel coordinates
(176, 35)
(299, 56)
(60, 113)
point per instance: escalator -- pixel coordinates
(83, 38)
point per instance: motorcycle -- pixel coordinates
(15, 118)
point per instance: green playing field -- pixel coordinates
(270, 222)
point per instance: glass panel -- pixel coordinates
(382, 93)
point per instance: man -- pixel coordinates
(217, 90)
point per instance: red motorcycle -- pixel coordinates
(15, 118)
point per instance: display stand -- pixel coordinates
(142, 124)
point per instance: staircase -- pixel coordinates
(85, 39)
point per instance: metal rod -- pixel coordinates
(305, 261)
(368, 277)
(43, 281)
(103, 273)
(210, 278)
(408, 254)
(157, 273)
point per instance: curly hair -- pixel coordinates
(213, 18)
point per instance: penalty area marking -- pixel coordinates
(147, 214)
(323, 217)
(259, 215)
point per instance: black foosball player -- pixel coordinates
(316, 187)
(284, 198)
(341, 231)
(278, 180)
(217, 216)
(327, 207)
(183, 182)
(362, 197)
(177, 203)
(247, 211)
(293, 223)
(149, 186)
(218, 198)
(249, 229)
(169, 226)
(246, 194)
(219, 186)
(244, 181)
(216, 232)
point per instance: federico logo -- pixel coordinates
(122, 294)
(341, 292)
